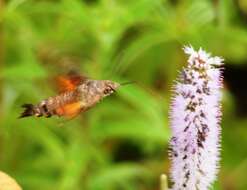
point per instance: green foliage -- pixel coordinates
(121, 40)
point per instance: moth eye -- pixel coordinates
(108, 90)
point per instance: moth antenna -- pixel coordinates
(127, 83)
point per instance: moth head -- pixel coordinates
(109, 87)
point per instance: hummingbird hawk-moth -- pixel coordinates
(77, 94)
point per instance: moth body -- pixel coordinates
(76, 97)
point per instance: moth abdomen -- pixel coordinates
(28, 110)
(36, 110)
(43, 108)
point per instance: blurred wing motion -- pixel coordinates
(70, 110)
(69, 82)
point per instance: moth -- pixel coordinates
(77, 94)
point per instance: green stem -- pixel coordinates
(1, 40)
(163, 182)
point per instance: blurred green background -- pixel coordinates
(120, 144)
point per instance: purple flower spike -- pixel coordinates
(195, 122)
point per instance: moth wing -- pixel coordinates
(70, 110)
(69, 82)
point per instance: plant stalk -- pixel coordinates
(163, 182)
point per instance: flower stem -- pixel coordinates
(163, 182)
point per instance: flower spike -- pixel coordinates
(195, 122)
